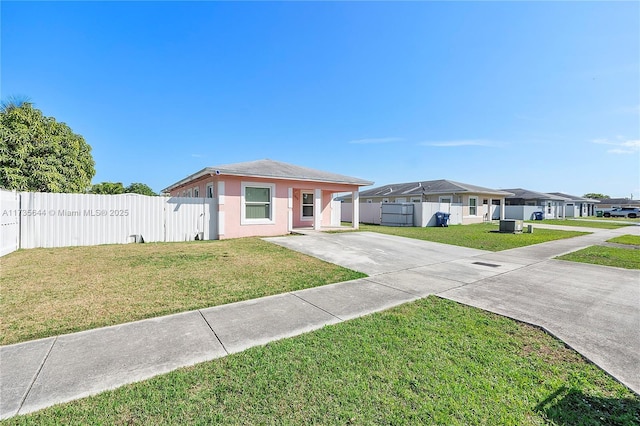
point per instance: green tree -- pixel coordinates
(139, 188)
(595, 195)
(107, 188)
(37, 153)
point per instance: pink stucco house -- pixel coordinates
(267, 198)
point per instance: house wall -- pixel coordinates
(230, 208)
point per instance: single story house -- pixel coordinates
(609, 203)
(524, 203)
(466, 203)
(577, 206)
(268, 198)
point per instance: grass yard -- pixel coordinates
(612, 224)
(627, 258)
(429, 362)
(632, 240)
(478, 236)
(47, 292)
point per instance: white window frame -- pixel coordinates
(401, 199)
(209, 193)
(272, 192)
(313, 204)
(196, 192)
(475, 207)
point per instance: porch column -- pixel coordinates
(290, 209)
(490, 207)
(221, 210)
(355, 209)
(317, 210)
(502, 215)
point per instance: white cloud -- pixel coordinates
(376, 140)
(466, 142)
(625, 146)
(619, 151)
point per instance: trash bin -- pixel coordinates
(442, 219)
(538, 215)
(599, 213)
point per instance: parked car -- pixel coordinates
(630, 212)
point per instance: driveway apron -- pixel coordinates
(594, 309)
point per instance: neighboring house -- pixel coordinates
(523, 203)
(609, 203)
(471, 201)
(577, 206)
(267, 198)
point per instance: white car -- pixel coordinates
(630, 212)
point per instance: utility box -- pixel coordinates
(510, 226)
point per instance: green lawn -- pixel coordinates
(632, 240)
(627, 258)
(47, 292)
(477, 236)
(581, 222)
(429, 362)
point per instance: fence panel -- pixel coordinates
(62, 220)
(190, 218)
(9, 221)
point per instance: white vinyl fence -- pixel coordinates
(423, 213)
(9, 224)
(61, 220)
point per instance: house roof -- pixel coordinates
(441, 186)
(573, 197)
(526, 194)
(618, 201)
(272, 169)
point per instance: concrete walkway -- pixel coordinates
(594, 309)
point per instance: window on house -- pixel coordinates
(307, 205)
(416, 200)
(189, 193)
(196, 192)
(210, 190)
(257, 203)
(473, 206)
(385, 200)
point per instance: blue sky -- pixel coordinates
(544, 96)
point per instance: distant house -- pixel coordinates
(267, 198)
(471, 201)
(577, 206)
(608, 203)
(524, 203)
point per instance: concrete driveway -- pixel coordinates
(594, 309)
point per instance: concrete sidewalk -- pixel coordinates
(520, 283)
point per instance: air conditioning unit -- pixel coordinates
(511, 225)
